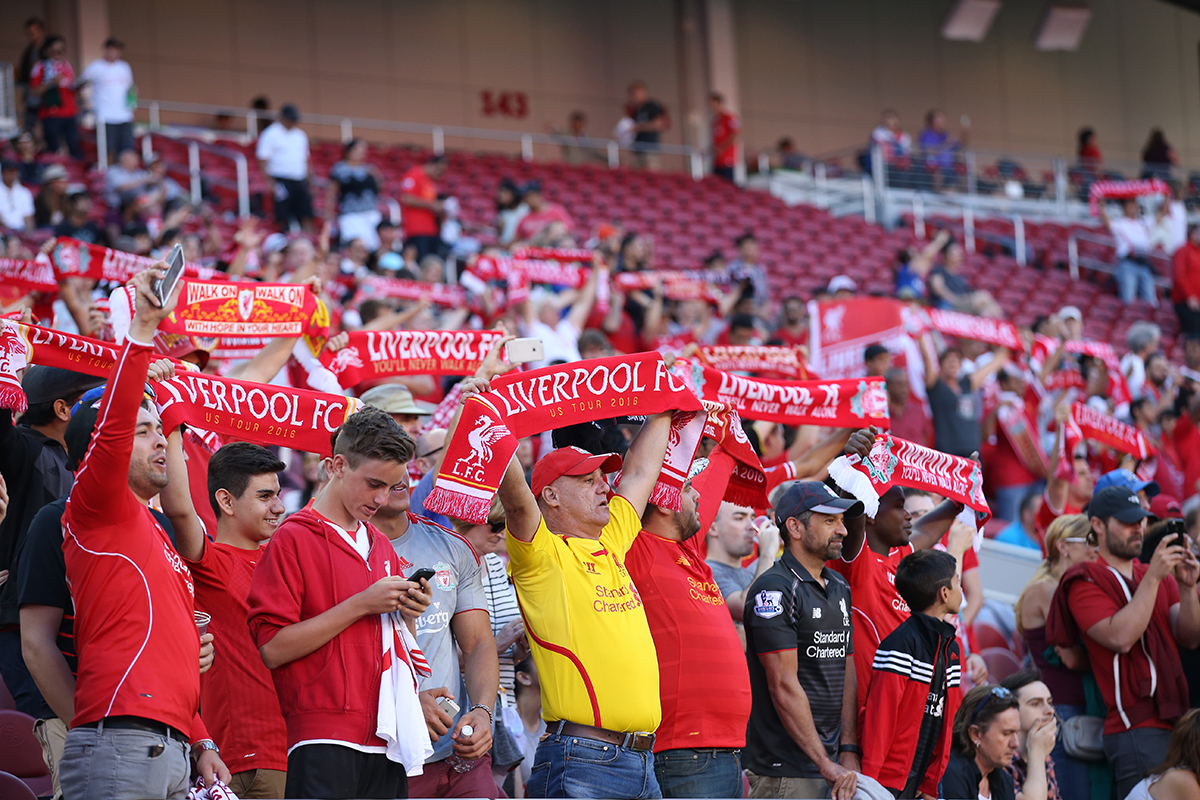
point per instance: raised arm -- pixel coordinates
(933, 372)
(176, 499)
(929, 529)
(644, 459)
(980, 375)
(581, 309)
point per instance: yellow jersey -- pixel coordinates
(587, 627)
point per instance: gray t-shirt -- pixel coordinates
(955, 418)
(731, 580)
(457, 587)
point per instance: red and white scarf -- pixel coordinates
(526, 403)
(233, 409)
(787, 362)
(565, 254)
(1087, 423)
(1021, 434)
(677, 284)
(30, 275)
(748, 481)
(73, 258)
(897, 462)
(264, 310)
(14, 357)
(981, 329)
(1124, 189)
(846, 403)
(522, 272)
(385, 354)
(380, 287)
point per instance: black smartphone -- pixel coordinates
(1178, 529)
(424, 573)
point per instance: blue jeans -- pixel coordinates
(1134, 279)
(699, 773)
(1133, 753)
(1074, 782)
(572, 766)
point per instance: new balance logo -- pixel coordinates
(816, 613)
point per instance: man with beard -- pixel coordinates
(457, 619)
(802, 738)
(1135, 617)
(137, 695)
(703, 685)
(793, 324)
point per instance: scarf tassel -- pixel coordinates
(12, 397)
(856, 483)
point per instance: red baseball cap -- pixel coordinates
(1164, 506)
(570, 461)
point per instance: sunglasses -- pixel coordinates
(996, 692)
(496, 527)
(431, 452)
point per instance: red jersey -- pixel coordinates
(913, 424)
(1185, 271)
(134, 631)
(877, 607)
(724, 126)
(1187, 444)
(703, 681)
(237, 694)
(781, 473)
(331, 694)
(418, 221)
(46, 71)
(790, 339)
(1046, 515)
(533, 222)
(1132, 705)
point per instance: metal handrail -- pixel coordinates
(1074, 259)
(194, 148)
(438, 133)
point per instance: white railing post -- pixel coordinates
(868, 200)
(972, 174)
(822, 186)
(614, 155)
(155, 123)
(1073, 256)
(527, 148)
(194, 171)
(918, 206)
(439, 141)
(347, 130)
(101, 143)
(147, 148)
(1019, 237)
(1061, 186)
(243, 185)
(969, 229)
(393, 208)
(252, 124)
(697, 163)
(879, 174)
(764, 163)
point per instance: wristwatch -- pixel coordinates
(204, 744)
(850, 748)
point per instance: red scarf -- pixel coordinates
(522, 272)
(240, 410)
(223, 308)
(526, 403)
(30, 275)
(787, 362)
(14, 357)
(381, 287)
(677, 284)
(747, 482)
(1124, 189)
(385, 354)
(897, 462)
(1088, 423)
(73, 258)
(982, 329)
(566, 254)
(1020, 434)
(846, 403)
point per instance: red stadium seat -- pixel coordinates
(20, 753)
(13, 788)
(1001, 662)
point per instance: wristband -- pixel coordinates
(850, 748)
(486, 710)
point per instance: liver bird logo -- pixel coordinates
(481, 438)
(344, 359)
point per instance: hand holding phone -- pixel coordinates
(523, 351)
(163, 289)
(424, 573)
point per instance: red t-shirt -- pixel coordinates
(1187, 444)
(1002, 466)
(134, 631)
(725, 124)
(237, 693)
(1090, 604)
(1046, 515)
(48, 70)
(790, 339)
(418, 221)
(534, 221)
(878, 608)
(703, 681)
(913, 424)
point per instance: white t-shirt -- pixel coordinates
(16, 204)
(1132, 235)
(560, 343)
(111, 82)
(286, 152)
(1133, 367)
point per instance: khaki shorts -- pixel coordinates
(52, 735)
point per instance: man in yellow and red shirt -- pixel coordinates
(567, 541)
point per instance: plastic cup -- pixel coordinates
(202, 621)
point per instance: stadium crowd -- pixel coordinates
(453, 593)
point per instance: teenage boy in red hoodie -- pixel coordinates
(316, 601)
(914, 684)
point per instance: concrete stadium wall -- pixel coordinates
(818, 71)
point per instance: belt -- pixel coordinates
(638, 740)
(124, 723)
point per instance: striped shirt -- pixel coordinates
(502, 607)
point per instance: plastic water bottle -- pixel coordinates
(459, 763)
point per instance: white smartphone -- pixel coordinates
(523, 351)
(164, 288)
(448, 705)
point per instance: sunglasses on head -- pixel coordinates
(997, 692)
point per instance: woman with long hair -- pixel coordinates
(1157, 156)
(1178, 777)
(1066, 546)
(987, 731)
